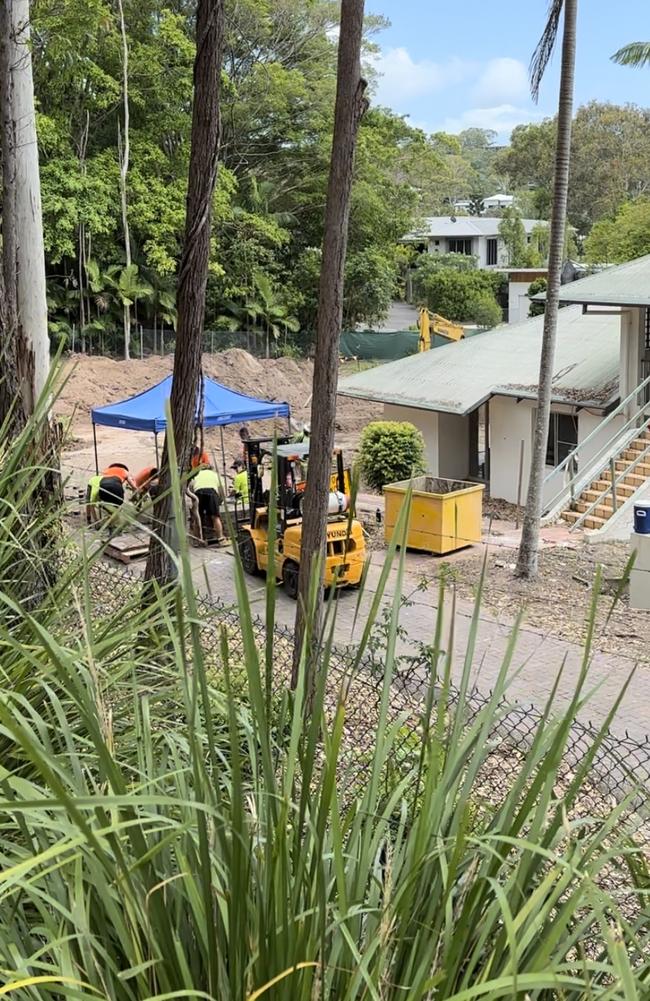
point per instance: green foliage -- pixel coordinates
(463, 296)
(390, 451)
(174, 826)
(370, 287)
(610, 151)
(626, 236)
(511, 229)
(484, 310)
(539, 285)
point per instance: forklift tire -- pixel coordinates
(290, 572)
(248, 556)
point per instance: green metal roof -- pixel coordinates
(623, 285)
(459, 377)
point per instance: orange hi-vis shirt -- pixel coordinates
(119, 472)
(144, 476)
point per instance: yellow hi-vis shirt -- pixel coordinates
(207, 479)
(240, 485)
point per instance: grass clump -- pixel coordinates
(169, 830)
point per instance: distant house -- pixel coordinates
(476, 236)
(490, 204)
(475, 401)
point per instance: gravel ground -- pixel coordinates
(558, 600)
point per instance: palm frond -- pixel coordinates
(545, 46)
(634, 54)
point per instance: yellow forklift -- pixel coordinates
(346, 547)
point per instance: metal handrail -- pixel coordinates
(598, 430)
(580, 479)
(612, 488)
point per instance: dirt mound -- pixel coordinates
(94, 381)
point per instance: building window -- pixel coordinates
(460, 247)
(491, 250)
(562, 438)
(646, 334)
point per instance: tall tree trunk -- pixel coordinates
(9, 383)
(349, 109)
(34, 345)
(123, 143)
(193, 275)
(528, 549)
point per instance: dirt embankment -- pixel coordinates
(94, 381)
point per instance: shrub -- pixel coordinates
(390, 451)
(539, 285)
(485, 310)
(460, 296)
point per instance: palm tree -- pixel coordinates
(528, 549)
(634, 54)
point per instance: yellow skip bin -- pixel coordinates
(445, 514)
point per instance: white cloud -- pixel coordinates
(502, 81)
(502, 118)
(402, 78)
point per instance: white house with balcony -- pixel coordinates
(476, 236)
(475, 402)
(490, 204)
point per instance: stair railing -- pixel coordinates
(576, 479)
(615, 480)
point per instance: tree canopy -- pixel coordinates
(610, 161)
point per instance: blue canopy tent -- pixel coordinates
(221, 406)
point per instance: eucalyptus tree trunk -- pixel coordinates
(193, 274)
(528, 549)
(350, 106)
(123, 145)
(25, 341)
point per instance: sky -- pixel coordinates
(454, 64)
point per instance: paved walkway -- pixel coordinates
(537, 661)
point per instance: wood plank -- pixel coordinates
(127, 547)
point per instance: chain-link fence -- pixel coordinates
(619, 762)
(147, 342)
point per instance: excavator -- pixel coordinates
(346, 547)
(433, 323)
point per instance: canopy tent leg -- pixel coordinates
(95, 447)
(223, 458)
(155, 441)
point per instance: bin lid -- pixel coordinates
(642, 506)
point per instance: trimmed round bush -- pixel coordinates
(390, 451)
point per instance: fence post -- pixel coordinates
(521, 476)
(612, 473)
(141, 344)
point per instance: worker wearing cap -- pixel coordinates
(240, 481)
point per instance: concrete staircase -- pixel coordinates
(594, 506)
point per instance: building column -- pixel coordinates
(630, 373)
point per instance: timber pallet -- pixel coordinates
(127, 548)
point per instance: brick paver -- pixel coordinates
(538, 656)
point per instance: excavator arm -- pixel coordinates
(433, 323)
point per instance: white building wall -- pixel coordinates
(481, 251)
(587, 423)
(427, 422)
(518, 301)
(631, 351)
(510, 424)
(453, 446)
